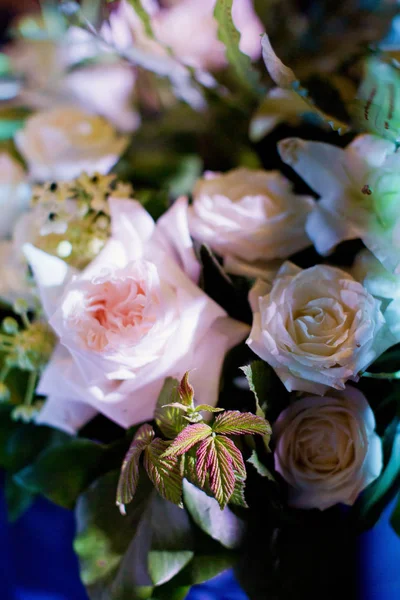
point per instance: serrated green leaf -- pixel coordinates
(164, 473)
(208, 408)
(238, 497)
(235, 454)
(186, 391)
(129, 476)
(222, 525)
(169, 418)
(234, 422)
(63, 472)
(260, 468)
(191, 435)
(230, 37)
(215, 461)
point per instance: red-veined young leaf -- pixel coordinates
(186, 391)
(168, 417)
(191, 435)
(234, 422)
(129, 475)
(164, 473)
(213, 458)
(235, 454)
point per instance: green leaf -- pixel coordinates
(234, 422)
(230, 37)
(129, 477)
(235, 454)
(258, 375)
(215, 462)
(260, 468)
(164, 565)
(164, 473)
(186, 391)
(285, 78)
(18, 499)
(63, 472)
(208, 408)
(375, 497)
(238, 497)
(103, 534)
(144, 17)
(191, 435)
(168, 417)
(222, 525)
(188, 170)
(154, 201)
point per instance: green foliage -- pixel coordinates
(200, 452)
(228, 34)
(223, 526)
(259, 466)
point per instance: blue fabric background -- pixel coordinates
(37, 561)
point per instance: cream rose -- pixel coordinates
(249, 216)
(327, 449)
(316, 327)
(132, 318)
(14, 193)
(63, 142)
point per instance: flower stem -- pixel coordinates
(388, 376)
(30, 389)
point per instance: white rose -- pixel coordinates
(359, 188)
(132, 318)
(249, 216)
(14, 193)
(316, 327)
(327, 449)
(63, 142)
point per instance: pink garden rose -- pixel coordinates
(327, 449)
(188, 27)
(62, 142)
(316, 327)
(132, 318)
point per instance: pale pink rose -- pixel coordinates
(249, 216)
(327, 449)
(128, 321)
(316, 327)
(188, 27)
(62, 142)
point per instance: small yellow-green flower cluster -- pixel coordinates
(74, 222)
(26, 346)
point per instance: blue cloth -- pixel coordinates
(37, 561)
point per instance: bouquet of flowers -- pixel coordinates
(200, 284)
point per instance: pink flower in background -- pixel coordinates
(62, 142)
(327, 449)
(188, 27)
(128, 321)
